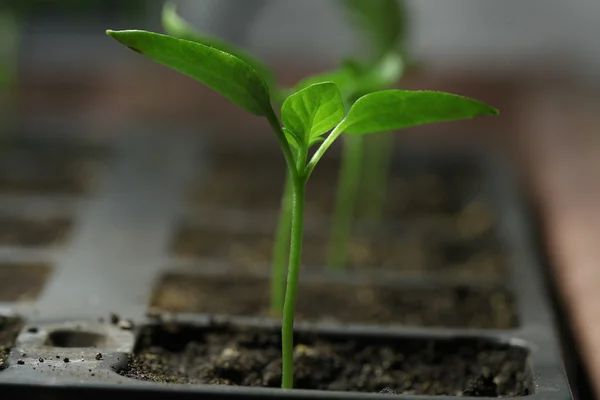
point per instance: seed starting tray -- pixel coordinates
(86, 299)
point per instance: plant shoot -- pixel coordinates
(306, 117)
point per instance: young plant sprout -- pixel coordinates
(354, 81)
(306, 116)
(365, 164)
(383, 22)
(178, 27)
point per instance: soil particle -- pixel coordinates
(251, 357)
(32, 329)
(458, 307)
(114, 319)
(41, 359)
(21, 362)
(483, 386)
(66, 359)
(9, 329)
(99, 356)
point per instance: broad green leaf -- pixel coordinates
(178, 27)
(310, 112)
(346, 77)
(221, 71)
(396, 109)
(383, 20)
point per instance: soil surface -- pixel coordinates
(251, 357)
(438, 246)
(457, 307)
(44, 169)
(250, 182)
(9, 329)
(19, 232)
(22, 282)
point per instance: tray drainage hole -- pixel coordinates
(69, 338)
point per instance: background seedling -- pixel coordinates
(365, 164)
(306, 115)
(384, 23)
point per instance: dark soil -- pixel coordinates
(19, 232)
(458, 307)
(30, 168)
(444, 247)
(21, 281)
(251, 357)
(9, 329)
(250, 182)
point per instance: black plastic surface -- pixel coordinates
(118, 246)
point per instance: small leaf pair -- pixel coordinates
(311, 112)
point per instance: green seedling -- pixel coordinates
(306, 117)
(385, 25)
(364, 164)
(354, 79)
(178, 27)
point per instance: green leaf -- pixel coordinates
(178, 27)
(383, 20)
(396, 109)
(221, 71)
(310, 112)
(346, 77)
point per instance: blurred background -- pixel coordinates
(538, 61)
(499, 49)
